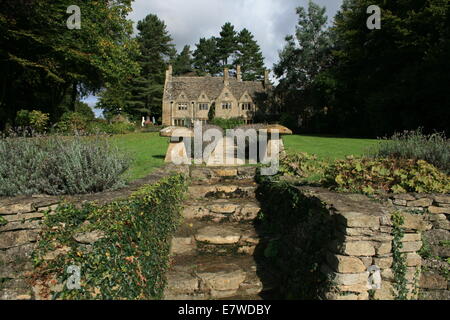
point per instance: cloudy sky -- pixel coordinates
(189, 20)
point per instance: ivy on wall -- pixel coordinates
(300, 228)
(131, 257)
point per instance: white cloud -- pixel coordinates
(189, 20)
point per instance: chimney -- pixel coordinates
(238, 73)
(226, 76)
(169, 73)
(266, 76)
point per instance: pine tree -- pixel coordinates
(156, 48)
(206, 59)
(227, 44)
(183, 61)
(249, 57)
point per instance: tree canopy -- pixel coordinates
(43, 61)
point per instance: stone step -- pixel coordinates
(206, 277)
(223, 190)
(221, 210)
(221, 174)
(199, 237)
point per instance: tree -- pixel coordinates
(395, 78)
(303, 58)
(249, 57)
(42, 61)
(183, 61)
(206, 58)
(226, 44)
(142, 95)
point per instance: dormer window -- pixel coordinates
(226, 94)
(226, 105)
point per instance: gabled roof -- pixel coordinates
(211, 86)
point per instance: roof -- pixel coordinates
(211, 86)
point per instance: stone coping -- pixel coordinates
(24, 204)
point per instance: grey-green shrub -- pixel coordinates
(58, 165)
(433, 148)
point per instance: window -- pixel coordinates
(226, 94)
(179, 122)
(182, 106)
(246, 106)
(226, 105)
(203, 106)
(248, 121)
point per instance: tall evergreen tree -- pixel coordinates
(206, 57)
(156, 48)
(227, 44)
(249, 57)
(182, 63)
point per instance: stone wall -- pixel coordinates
(435, 209)
(358, 255)
(20, 225)
(363, 238)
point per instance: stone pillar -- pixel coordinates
(176, 153)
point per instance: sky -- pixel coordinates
(189, 20)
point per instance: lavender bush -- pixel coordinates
(57, 165)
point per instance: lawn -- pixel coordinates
(147, 151)
(327, 147)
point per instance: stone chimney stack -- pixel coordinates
(169, 72)
(266, 77)
(238, 73)
(226, 76)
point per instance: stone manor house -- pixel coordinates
(189, 98)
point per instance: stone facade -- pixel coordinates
(189, 98)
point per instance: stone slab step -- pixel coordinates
(202, 278)
(220, 174)
(219, 210)
(199, 237)
(222, 191)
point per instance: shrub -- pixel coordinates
(100, 126)
(72, 122)
(385, 175)
(59, 165)
(227, 123)
(434, 148)
(35, 119)
(130, 262)
(303, 166)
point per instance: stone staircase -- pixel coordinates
(214, 254)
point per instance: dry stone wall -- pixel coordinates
(20, 226)
(435, 210)
(363, 238)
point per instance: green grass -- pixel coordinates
(147, 151)
(327, 147)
